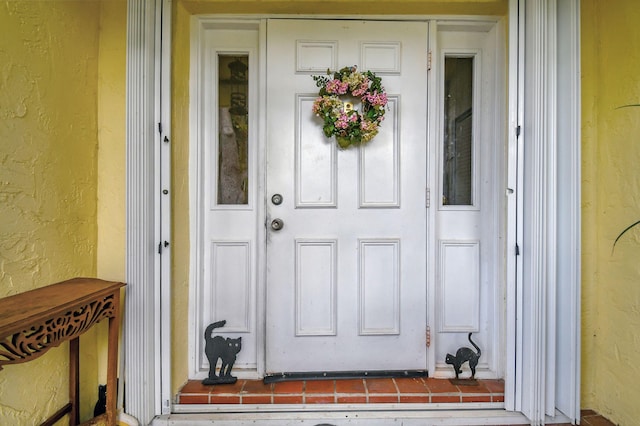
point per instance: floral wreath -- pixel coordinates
(348, 125)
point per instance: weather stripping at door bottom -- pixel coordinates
(332, 375)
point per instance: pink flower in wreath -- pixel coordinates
(376, 99)
(337, 87)
(362, 89)
(342, 122)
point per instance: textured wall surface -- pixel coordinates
(111, 138)
(111, 156)
(48, 147)
(180, 189)
(350, 7)
(611, 202)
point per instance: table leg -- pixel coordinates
(112, 361)
(74, 381)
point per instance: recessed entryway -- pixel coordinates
(386, 255)
(530, 327)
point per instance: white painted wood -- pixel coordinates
(513, 291)
(379, 286)
(550, 364)
(142, 331)
(469, 290)
(569, 208)
(316, 179)
(316, 56)
(315, 287)
(381, 58)
(432, 189)
(225, 238)
(539, 228)
(379, 164)
(261, 206)
(295, 138)
(230, 290)
(352, 414)
(459, 286)
(165, 149)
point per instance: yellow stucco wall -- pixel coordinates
(180, 190)
(111, 213)
(349, 7)
(611, 201)
(49, 130)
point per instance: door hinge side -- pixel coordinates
(429, 55)
(517, 250)
(160, 128)
(428, 200)
(518, 131)
(428, 336)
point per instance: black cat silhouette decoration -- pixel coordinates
(218, 348)
(463, 355)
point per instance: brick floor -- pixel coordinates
(348, 391)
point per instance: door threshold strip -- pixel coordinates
(341, 375)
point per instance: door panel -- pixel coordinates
(468, 231)
(346, 275)
(227, 238)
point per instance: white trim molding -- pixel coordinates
(142, 326)
(548, 367)
(569, 206)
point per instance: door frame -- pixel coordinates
(554, 24)
(199, 27)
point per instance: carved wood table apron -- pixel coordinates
(33, 322)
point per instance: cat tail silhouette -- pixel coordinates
(475, 346)
(211, 327)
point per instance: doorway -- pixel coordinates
(387, 254)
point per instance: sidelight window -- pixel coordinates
(458, 150)
(233, 130)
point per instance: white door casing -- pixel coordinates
(346, 276)
(359, 236)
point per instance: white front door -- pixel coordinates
(346, 274)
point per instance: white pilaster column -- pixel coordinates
(550, 236)
(539, 195)
(141, 321)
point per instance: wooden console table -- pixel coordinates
(33, 322)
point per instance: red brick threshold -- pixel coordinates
(347, 391)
